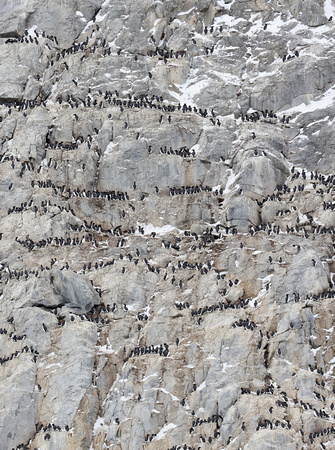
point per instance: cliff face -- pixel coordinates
(167, 224)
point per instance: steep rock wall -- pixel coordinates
(167, 224)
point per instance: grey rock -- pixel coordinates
(19, 405)
(74, 291)
(300, 273)
(71, 375)
(215, 268)
(242, 212)
(266, 440)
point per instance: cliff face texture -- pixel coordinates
(167, 224)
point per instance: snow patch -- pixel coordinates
(231, 179)
(229, 21)
(149, 228)
(110, 146)
(324, 101)
(99, 424)
(164, 430)
(168, 393)
(329, 9)
(225, 5)
(189, 90)
(202, 386)
(225, 366)
(100, 17)
(185, 12)
(105, 350)
(149, 376)
(81, 16)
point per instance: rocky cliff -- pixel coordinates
(167, 224)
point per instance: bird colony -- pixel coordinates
(167, 224)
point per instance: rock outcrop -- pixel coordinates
(167, 221)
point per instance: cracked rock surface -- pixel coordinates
(167, 219)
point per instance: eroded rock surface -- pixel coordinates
(167, 224)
